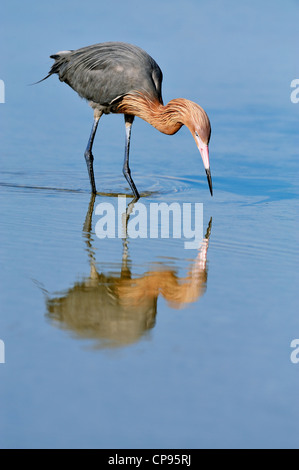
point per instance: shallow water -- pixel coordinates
(125, 343)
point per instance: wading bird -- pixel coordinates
(116, 77)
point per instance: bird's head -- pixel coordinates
(199, 125)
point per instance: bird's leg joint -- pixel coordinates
(126, 170)
(88, 156)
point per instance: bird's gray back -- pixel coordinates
(105, 72)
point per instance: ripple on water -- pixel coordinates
(108, 184)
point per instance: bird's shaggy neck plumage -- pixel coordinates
(167, 119)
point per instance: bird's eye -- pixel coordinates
(196, 134)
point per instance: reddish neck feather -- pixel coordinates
(167, 119)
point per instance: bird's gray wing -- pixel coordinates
(103, 73)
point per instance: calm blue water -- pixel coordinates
(176, 357)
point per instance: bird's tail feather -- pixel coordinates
(45, 78)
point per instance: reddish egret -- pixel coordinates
(116, 77)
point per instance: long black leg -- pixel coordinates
(126, 169)
(88, 154)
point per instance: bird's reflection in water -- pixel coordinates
(118, 310)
